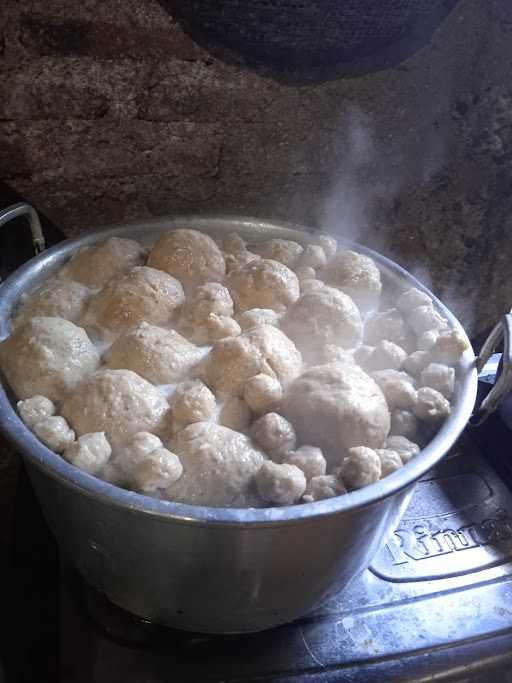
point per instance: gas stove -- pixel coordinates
(436, 603)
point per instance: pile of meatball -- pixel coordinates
(230, 374)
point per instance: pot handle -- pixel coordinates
(503, 385)
(23, 209)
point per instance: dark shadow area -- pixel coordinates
(303, 42)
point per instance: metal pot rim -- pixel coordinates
(25, 278)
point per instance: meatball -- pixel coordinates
(311, 285)
(330, 353)
(405, 448)
(325, 316)
(389, 461)
(427, 340)
(217, 327)
(136, 450)
(158, 470)
(385, 356)
(258, 316)
(337, 406)
(158, 355)
(411, 299)
(219, 467)
(309, 459)
(90, 452)
(205, 300)
(55, 299)
(328, 244)
(313, 256)
(403, 423)
(55, 433)
(363, 356)
(140, 295)
(190, 256)
(274, 434)
(263, 284)
(417, 362)
(322, 487)
(425, 318)
(357, 275)
(117, 402)
(397, 387)
(34, 409)
(439, 377)
(262, 393)
(240, 259)
(361, 467)
(94, 266)
(280, 484)
(235, 414)
(430, 405)
(305, 273)
(387, 325)
(284, 251)
(449, 347)
(48, 356)
(262, 349)
(191, 402)
(233, 243)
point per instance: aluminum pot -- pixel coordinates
(205, 569)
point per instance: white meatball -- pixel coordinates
(239, 260)
(431, 405)
(397, 387)
(158, 355)
(336, 406)
(405, 448)
(427, 340)
(233, 243)
(190, 256)
(235, 414)
(136, 450)
(328, 244)
(357, 275)
(206, 299)
(263, 284)
(158, 470)
(312, 285)
(34, 409)
(90, 452)
(385, 356)
(284, 251)
(313, 256)
(219, 466)
(140, 295)
(403, 423)
(55, 299)
(274, 434)
(322, 487)
(258, 316)
(191, 402)
(309, 459)
(280, 484)
(387, 325)
(47, 356)
(55, 433)
(305, 273)
(411, 299)
(263, 349)
(117, 402)
(417, 362)
(213, 328)
(390, 461)
(361, 467)
(363, 356)
(449, 347)
(262, 393)
(439, 377)
(426, 318)
(324, 316)
(331, 353)
(95, 266)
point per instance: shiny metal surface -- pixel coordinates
(212, 569)
(503, 386)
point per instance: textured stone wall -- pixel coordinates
(110, 112)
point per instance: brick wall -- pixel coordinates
(109, 112)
